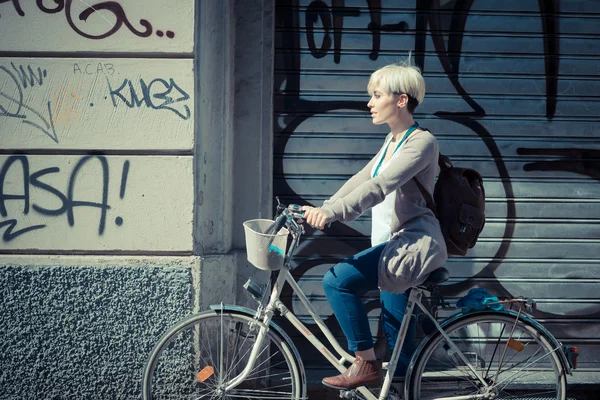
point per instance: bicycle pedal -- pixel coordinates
(395, 394)
(353, 394)
(348, 394)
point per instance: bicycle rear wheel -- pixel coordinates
(521, 365)
(194, 359)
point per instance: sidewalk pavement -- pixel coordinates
(584, 384)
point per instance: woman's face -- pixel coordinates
(384, 106)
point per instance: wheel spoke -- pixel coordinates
(232, 368)
(224, 342)
(529, 361)
(243, 359)
(535, 372)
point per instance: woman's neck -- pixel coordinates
(401, 127)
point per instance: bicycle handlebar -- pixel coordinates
(279, 223)
(288, 216)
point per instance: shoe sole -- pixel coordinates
(376, 383)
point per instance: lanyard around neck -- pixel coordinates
(407, 134)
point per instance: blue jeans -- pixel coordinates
(344, 283)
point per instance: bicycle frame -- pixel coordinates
(264, 315)
(275, 304)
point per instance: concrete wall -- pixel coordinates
(124, 131)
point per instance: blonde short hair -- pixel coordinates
(398, 78)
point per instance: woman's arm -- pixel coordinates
(415, 155)
(316, 218)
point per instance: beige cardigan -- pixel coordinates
(417, 246)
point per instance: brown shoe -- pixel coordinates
(360, 373)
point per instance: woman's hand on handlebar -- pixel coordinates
(315, 217)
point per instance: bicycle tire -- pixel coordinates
(189, 361)
(526, 367)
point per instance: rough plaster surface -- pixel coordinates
(84, 332)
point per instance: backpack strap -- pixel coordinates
(427, 196)
(444, 162)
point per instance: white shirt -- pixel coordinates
(382, 212)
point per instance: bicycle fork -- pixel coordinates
(262, 333)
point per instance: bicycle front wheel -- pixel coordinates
(196, 358)
(508, 354)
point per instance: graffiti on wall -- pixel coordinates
(115, 21)
(12, 102)
(433, 18)
(67, 201)
(322, 27)
(97, 25)
(68, 128)
(95, 202)
(52, 99)
(163, 98)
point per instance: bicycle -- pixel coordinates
(234, 352)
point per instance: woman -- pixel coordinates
(406, 240)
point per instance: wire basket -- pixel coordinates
(265, 251)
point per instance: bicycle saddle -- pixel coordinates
(438, 276)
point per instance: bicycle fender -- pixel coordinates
(526, 319)
(248, 311)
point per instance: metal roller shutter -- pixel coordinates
(512, 90)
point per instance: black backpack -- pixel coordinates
(459, 204)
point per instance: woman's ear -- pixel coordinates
(402, 100)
